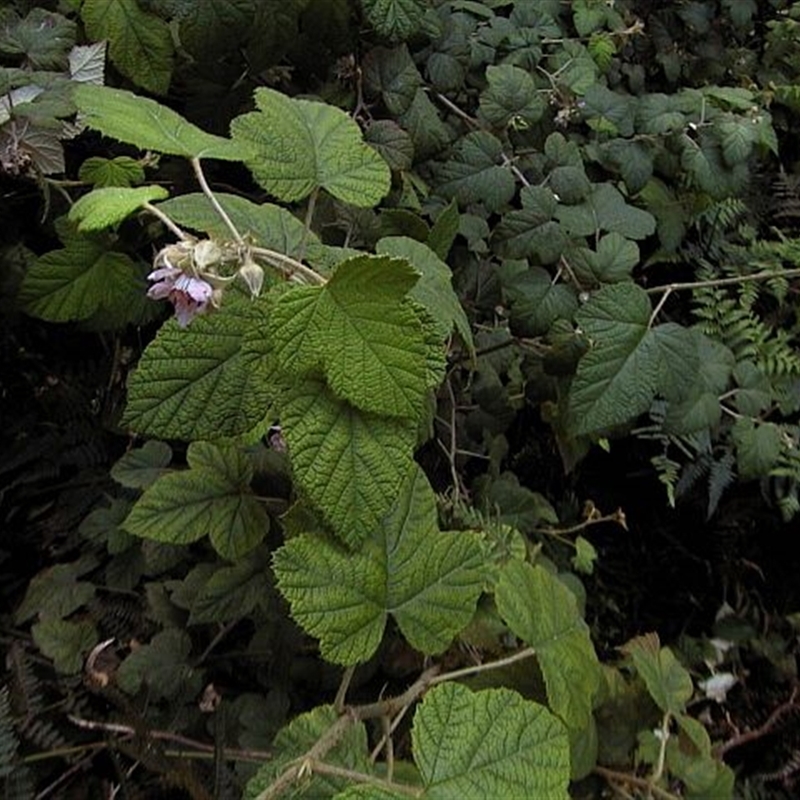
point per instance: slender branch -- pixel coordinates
(341, 692)
(662, 751)
(312, 202)
(157, 212)
(659, 306)
(359, 777)
(220, 635)
(528, 652)
(201, 179)
(167, 736)
(287, 265)
(762, 730)
(617, 516)
(612, 776)
(764, 275)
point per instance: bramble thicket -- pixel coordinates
(400, 398)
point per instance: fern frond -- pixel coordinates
(720, 476)
(8, 737)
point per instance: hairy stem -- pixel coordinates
(612, 776)
(157, 212)
(287, 265)
(201, 179)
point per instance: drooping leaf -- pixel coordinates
(138, 468)
(667, 680)
(511, 93)
(56, 592)
(299, 146)
(350, 463)
(162, 665)
(119, 171)
(491, 743)
(148, 125)
(345, 598)
(140, 44)
(395, 19)
(212, 498)
(78, 281)
(104, 208)
(362, 331)
(544, 613)
(65, 642)
(297, 738)
(208, 381)
(434, 289)
(476, 173)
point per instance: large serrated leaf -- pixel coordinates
(162, 665)
(297, 738)
(79, 281)
(531, 232)
(65, 642)
(212, 498)
(394, 75)
(138, 468)
(350, 463)
(299, 146)
(362, 331)
(612, 261)
(491, 743)
(209, 381)
(606, 210)
(148, 125)
(42, 37)
(104, 172)
(395, 19)
(56, 592)
(511, 93)
(140, 44)
(476, 173)
(537, 302)
(544, 613)
(428, 580)
(104, 208)
(434, 289)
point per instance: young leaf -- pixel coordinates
(543, 612)
(77, 282)
(475, 174)
(212, 498)
(351, 464)
(364, 334)
(140, 44)
(148, 125)
(119, 171)
(428, 580)
(667, 681)
(297, 738)
(209, 381)
(104, 208)
(395, 19)
(434, 289)
(299, 146)
(66, 643)
(491, 743)
(138, 468)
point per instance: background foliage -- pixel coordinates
(505, 307)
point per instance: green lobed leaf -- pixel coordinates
(297, 738)
(537, 302)
(140, 44)
(434, 289)
(56, 592)
(393, 144)
(612, 261)
(476, 173)
(531, 232)
(363, 332)
(444, 230)
(212, 28)
(119, 171)
(544, 613)
(606, 210)
(65, 642)
(395, 19)
(491, 743)
(208, 381)
(212, 498)
(43, 37)
(162, 665)
(349, 463)
(148, 125)
(299, 146)
(392, 74)
(140, 467)
(78, 282)
(758, 447)
(428, 580)
(511, 93)
(667, 681)
(107, 207)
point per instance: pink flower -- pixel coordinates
(188, 294)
